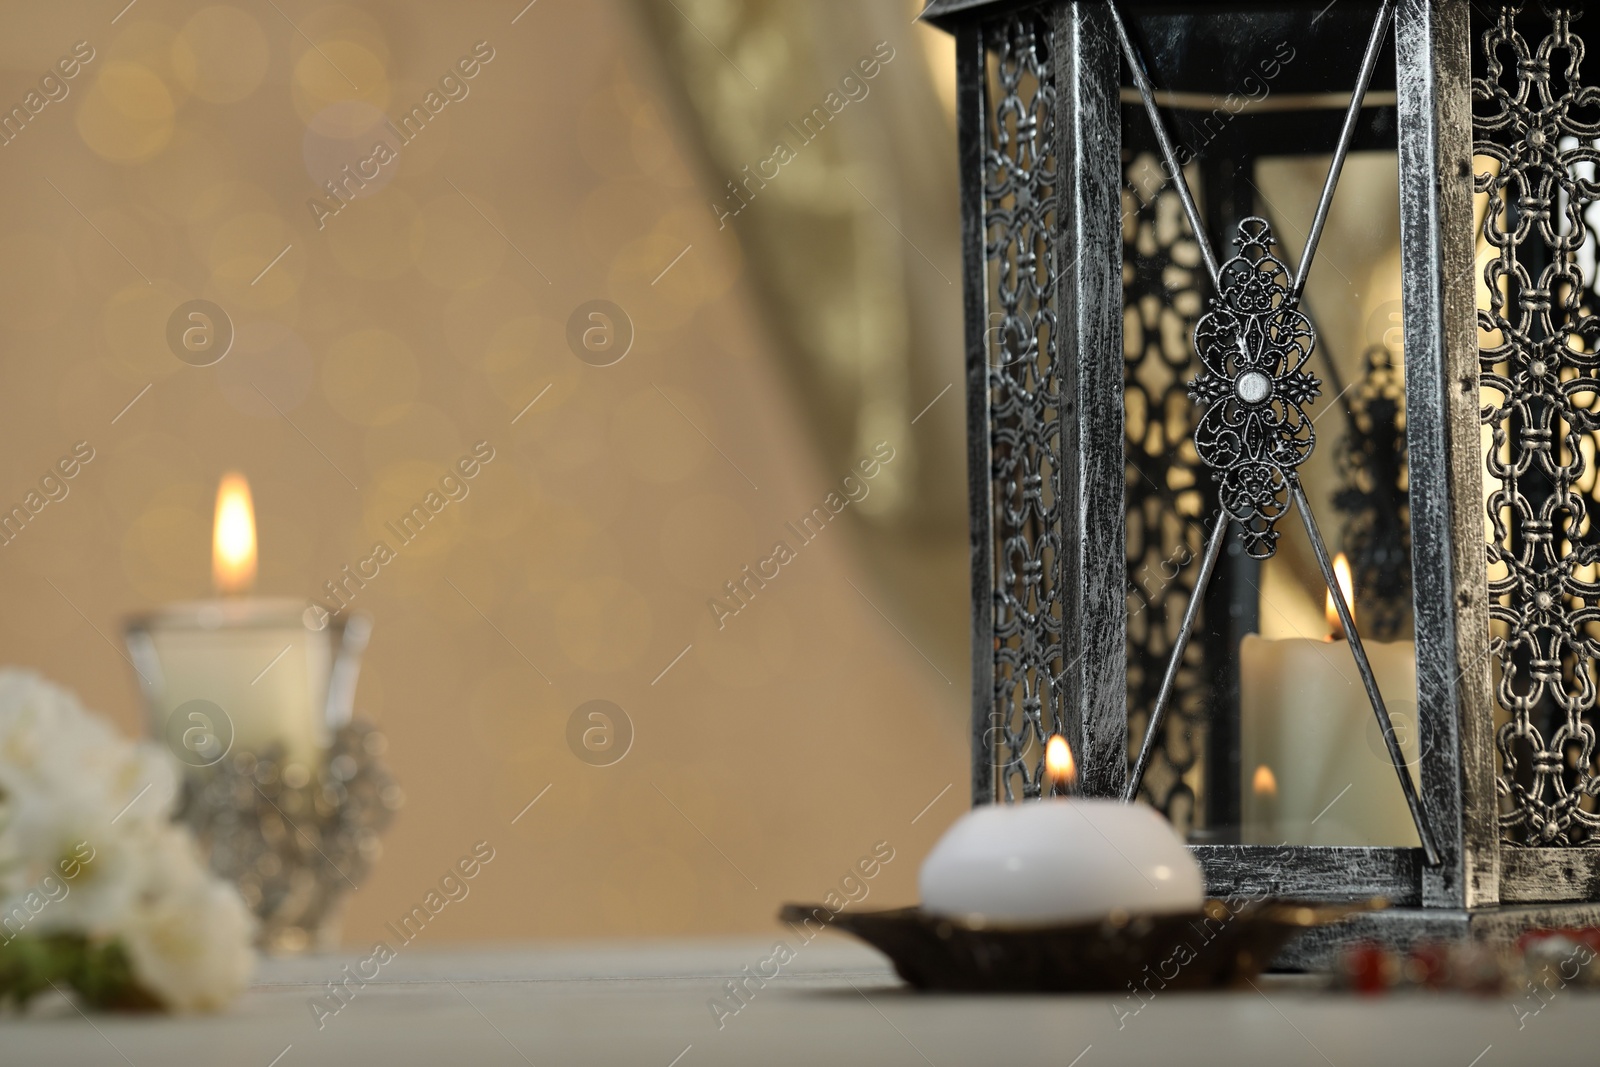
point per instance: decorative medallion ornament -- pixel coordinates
(1254, 346)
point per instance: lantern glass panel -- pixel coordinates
(1270, 736)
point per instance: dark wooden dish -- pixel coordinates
(1215, 948)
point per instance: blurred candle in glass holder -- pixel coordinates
(259, 661)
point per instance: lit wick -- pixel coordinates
(1341, 576)
(1059, 767)
(1264, 785)
(233, 541)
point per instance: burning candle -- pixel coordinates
(1304, 719)
(233, 537)
(255, 659)
(1061, 859)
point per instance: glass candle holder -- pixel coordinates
(249, 675)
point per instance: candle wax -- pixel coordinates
(1060, 860)
(1304, 713)
(255, 659)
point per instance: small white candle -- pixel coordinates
(1305, 717)
(254, 658)
(1061, 859)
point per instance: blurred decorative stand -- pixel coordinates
(295, 842)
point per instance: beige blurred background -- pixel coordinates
(783, 327)
(771, 354)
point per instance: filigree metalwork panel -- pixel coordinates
(1253, 346)
(1019, 218)
(1537, 124)
(1166, 491)
(1374, 500)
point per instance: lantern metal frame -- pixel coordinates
(1041, 101)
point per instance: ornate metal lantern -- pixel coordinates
(1144, 373)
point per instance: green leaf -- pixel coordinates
(100, 973)
(104, 978)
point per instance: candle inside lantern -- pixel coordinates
(1261, 819)
(1347, 584)
(256, 659)
(1060, 859)
(1305, 719)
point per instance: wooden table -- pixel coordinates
(647, 1005)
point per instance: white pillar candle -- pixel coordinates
(256, 659)
(1305, 717)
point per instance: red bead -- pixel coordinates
(1430, 964)
(1369, 967)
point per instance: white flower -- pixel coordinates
(86, 867)
(87, 846)
(77, 803)
(188, 934)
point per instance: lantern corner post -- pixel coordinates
(1455, 705)
(972, 137)
(1092, 479)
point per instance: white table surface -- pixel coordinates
(645, 1005)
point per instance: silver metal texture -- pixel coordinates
(1092, 478)
(1014, 391)
(972, 125)
(1433, 59)
(1538, 121)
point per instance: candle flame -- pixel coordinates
(233, 542)
(1058, 763)
(1341, 575)
(1265, 783)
